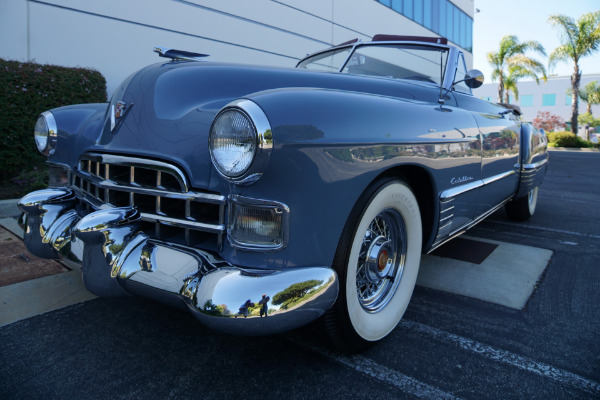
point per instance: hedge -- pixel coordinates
(566, 139)
(26, 90)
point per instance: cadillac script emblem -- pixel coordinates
(117, 114)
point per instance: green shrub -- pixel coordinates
(567, 139)
(26, 90)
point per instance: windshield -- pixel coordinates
(415, 62)
(330, 61)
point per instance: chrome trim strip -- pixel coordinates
(492, 179)
(184, 223)
(141, 163)
(535, 165)
(453, 192)
(108, 184)
(467, 226)
(52, 133)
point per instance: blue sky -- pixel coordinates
(528, 20)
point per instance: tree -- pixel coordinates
(548, 121)
(295, 291)
(579, 39)
(515, 74)
(591, 95)
(512, 54)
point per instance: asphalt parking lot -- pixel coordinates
(447, 346)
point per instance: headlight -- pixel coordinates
(233, 142)
(240, 142)
(45, 133)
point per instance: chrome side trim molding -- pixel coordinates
(455, 191)
(468, 225)
(492, 179)
(535, 165)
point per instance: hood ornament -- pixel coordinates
(118, 112)
(175, 54)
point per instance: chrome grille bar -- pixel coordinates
(159, 190)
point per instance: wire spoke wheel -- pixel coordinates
(381, 260)
(377, 262)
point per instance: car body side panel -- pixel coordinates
(500, 158)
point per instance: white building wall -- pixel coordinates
(116, 37)
(557, 85)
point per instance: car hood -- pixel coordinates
(168, 108)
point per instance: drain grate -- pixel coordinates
(472, 251)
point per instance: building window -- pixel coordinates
(549, 100)
(439, 16)
(568, 100)
(527, 100)
(408, 9)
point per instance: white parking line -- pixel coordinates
(541, 228)
(394, 378)
(525, 363)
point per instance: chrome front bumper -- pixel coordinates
(117, 259)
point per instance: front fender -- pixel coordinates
(78, 127)
(328, 146)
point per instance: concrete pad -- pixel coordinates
(507, 277)
(8, 208)
(11, 225)
(37, 296)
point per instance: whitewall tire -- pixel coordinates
(377, 263)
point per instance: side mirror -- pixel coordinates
(474, 78)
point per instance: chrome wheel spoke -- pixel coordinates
(381, 260)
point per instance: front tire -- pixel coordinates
(377, 262)
(523, 208)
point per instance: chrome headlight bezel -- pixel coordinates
(45, 133)
(261, 145)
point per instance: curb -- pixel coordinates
(9, 209)
(574, 149)
(37, 296)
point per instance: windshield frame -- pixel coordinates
(449, 71)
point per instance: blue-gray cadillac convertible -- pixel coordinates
(262, 198)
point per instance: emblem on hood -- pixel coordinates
(117, 114)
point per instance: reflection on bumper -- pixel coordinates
(116, 258)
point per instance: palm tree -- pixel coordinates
(590, 94)
(512, 54)
(579, 39)
(515, 74)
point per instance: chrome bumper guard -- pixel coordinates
(117, 259)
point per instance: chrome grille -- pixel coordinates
(160, 191)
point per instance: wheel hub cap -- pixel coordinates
(379, 259)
